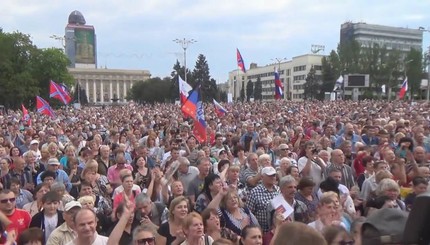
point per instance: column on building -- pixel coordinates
(117, 90)
(94, 91)
(110, 91)
(87, 91)
(102, 99)
(124, 95)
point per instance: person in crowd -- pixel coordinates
(60, 175)
(19, 218)
(297, 233)
(141, 173)
(211, 222)
(5, 164)
(74, 171)
(23, 196)
(31, 236)
(20, 173)
(389, 188)
(186, 173)
(104, 161)
(127, 184)
(64, 233)
(251, 176)
(338, 162)
(211, 187)
(99, 183)
(251, 235)
(328, 214)
(306, 194)
(50, 217)
(69, 152)
(196, 186)
(420, 185)
(368, 164)
(149, 212)
(370, 184)
(194, 231)
(261, 195)
(310, 165)
(337, 235)
(171, 232)
(36, 206)
(113, 171)
(85, 227)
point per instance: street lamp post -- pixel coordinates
(279, 61)
(405, 63)
(184, 44)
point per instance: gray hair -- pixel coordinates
(145, 228)
(142, 198)
(58, 186)
(28, 153)
(286, 180)
(385, 185)
(183, 160)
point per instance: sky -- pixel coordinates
(139, 34)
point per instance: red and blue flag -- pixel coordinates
(59, 92)
(403, 89)
(43, 107)
(240, 62)
(25, 116)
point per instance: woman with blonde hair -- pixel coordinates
(171, 232)
(194, 230)
(232, 211)
(297, 233)
(99, 182)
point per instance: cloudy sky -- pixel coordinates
(138, 34)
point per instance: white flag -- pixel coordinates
(339, 80)
(383, 89)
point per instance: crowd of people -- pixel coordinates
(278, 172)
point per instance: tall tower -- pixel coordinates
(81, 43)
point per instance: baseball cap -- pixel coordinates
(34, 142)
(268, 171)
(71, 205)
(384, 226)
(53, 161)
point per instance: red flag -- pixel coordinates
(58, 92)
(199, 129)
(43, 107)
(189, 108)
(219, 109)
(25, 116)
(240, 62)
(404, 88)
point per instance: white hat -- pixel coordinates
(53, 161)
(268, 171)
(34, 142)
(71, 205)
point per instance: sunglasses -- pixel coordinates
(11, 200)
(144, 241)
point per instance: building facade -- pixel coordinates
(104, 86)
(292, 74)
(80, 42)
(398, 38)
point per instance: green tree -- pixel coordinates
(330, 67)
(17, 83)
(258, 89)
(151, 91)
(312, 87)
(414, 70)
(201, 75)
(249, 90)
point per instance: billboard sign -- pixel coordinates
(85, 46)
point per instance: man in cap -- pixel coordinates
(64, 233)
(61, 175)
(34, 146)
(261, 196)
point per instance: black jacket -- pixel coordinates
(38, 220)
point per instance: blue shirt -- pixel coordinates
(61, 177)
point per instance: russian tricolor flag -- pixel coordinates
(240, 62)
(279, 87)
(219, 109)
(184, 90)
(403, 89)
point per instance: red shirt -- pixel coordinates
(20, 221)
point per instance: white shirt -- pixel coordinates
(100, 240)
(50, 224)
(120, 189)
(315, 172)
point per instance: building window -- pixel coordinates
(300, 68)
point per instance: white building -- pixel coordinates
(107, 85)
(292, 74)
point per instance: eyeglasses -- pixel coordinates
(11, 200)
(146, 241)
